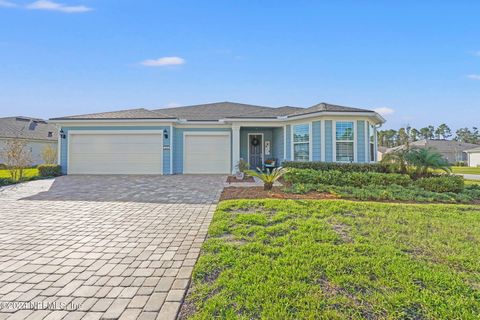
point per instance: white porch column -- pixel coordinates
(235, 146)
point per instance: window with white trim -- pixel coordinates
(344, 134)
(301, 142)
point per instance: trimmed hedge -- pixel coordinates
(442, 184)
(344, 167)
(391, 193)
(49, 170)
(353, 179)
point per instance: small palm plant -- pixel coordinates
(268, 178)
(426, 159)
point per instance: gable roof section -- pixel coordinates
(326, 107)
(474, 150)
(133, 114)
(216, 111)
(27, 128)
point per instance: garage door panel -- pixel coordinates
(128, 153)
(207, 153)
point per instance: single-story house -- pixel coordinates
(37, 133)
(212, 138)
(452, 150)
(473, 157)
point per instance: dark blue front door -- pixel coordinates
(255, 145)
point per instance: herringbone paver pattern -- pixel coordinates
(81, 248)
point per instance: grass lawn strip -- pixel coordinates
(28, 173)
(334, 259)
(466, 170)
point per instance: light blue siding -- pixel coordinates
(316, 140)
(267, 135)
(328, 141)
(361, 156)
(178, 144)
(277, 144)
(288, 140)
(64, 142)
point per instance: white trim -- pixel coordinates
(292, 129)
(98, 121)
(285, 142)
(111, 132)
(334, 138)
(322, 147)
(207, 133)
(248, 145)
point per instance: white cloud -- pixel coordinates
(474, 76)
(54, 6)
(172, 105)
(7, 4)
(384, 111)
(476, 53)
(162, 62)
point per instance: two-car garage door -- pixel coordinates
(140, 152)
(132, 152)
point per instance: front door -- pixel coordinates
(255, 145)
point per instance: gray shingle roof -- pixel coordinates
(474, 150)
(218, 110)
(326, 107)
(213, 112)
(27, 128)
(140, 113)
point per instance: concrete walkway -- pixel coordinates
(102, 247)
(471, 176)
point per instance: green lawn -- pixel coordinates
(286, 259)
(466, 170)
(27, 173)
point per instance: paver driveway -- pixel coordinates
(91, 247)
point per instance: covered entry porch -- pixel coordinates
(258, 145)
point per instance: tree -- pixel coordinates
(427, 132)
(49, 154)
(17, 156)
(414, 134)
(425, 159)
(403, 137)
(443, 132)
(396, 161)
(468, 136)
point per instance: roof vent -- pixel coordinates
(50, 134)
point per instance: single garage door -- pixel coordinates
(206, 153)
(133, 152)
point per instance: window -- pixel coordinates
(344, 141)
(371, 131)
(301, 142)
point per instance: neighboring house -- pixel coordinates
(452, 150)
(473, 157)
(36, 132)
(380, 152)
(212, 138)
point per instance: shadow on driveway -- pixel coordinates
(188, 189)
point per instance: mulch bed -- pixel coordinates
(230, 193)
(233, 179)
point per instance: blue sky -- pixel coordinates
(417, 60)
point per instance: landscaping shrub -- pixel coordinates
(339, 178)
(344, 167)
(6, 181)
(390, 193)
(49, 170)
(442, 184)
